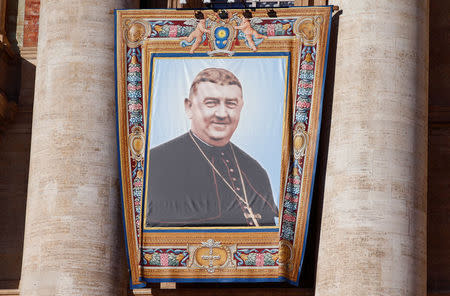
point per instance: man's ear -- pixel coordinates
(187, 107)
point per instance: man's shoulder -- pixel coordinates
(171, 147)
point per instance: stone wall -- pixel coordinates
(15, 145)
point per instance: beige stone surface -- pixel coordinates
(20, 22)
(73, 232)
(142, 292)
(373, 232)
(9, 292)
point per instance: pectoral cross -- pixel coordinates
(251, 215)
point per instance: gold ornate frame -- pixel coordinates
(251, 254)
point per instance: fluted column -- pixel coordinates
(73, 243)
(373, 232)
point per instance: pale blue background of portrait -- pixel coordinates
(259, 132)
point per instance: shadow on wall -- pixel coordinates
(438, 201)
(15, 143)
(312, 247)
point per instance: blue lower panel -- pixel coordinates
(216, 280)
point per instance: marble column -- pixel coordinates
(373, 231)
(73, 233)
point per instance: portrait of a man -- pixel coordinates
(201, 178)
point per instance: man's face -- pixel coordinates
(214, 111)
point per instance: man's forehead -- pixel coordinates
(217, 89)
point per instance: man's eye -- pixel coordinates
(210, 103)
(231, 104)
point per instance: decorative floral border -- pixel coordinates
(164, 257)
(301, 116)
(173, 28)
(258, 257)
(178, 28)
(135, 119)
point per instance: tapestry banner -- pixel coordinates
(218, 123)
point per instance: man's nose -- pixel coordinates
(221, 111)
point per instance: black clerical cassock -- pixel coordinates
(193, 184)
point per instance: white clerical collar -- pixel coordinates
(201, 139)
